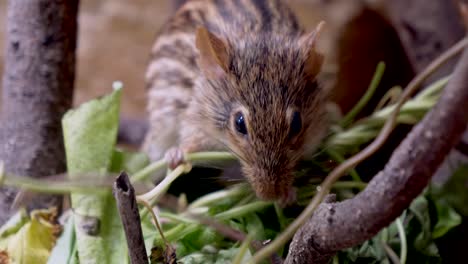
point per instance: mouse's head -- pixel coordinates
(263, 97)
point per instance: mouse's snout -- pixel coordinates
(271, 186)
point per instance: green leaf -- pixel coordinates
(419, 208)
(454, 190)
(369, 252)
(210, 256)
(90, 134)
(129, 162)
(13, 224)
(421, 245)
(447, 219)
(195, 241)
(63, 251)
(392, 230)
(254, 226)
(33, 242)
(227, 255)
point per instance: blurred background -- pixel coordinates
(115, 37)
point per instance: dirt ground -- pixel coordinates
(114, 41)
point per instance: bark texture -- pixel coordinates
(124, 195)
(37, 89)
(336, 226)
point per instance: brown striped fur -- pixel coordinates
(248, 56)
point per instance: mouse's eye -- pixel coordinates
(239, 123)
(296, 124)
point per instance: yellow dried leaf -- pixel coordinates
(34, 241)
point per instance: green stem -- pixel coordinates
(367, 128)
(408, 108)
(159, 189)
(217, 196)
(384, 236)
(208, 157)
(146, 172)
(367, 96)
(242, 210)
(336, 260)
(434, 88)
(242, 250)
(180, 231)
(389, 97)
(281, 218)
(390, 253)
(402, 235)
(177, 218)
(52, 187)
(339, 158)
(195, 158)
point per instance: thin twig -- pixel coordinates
(155, 219)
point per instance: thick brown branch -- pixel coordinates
(335, 226)
(37, 88)
(128, 209)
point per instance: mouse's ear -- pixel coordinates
(314, 59)
(214, 59)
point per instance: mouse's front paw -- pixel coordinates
(174, 157)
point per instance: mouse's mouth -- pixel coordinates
(275, 195)
(273, 187)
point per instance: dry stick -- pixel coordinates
(125, 197)
(325, 187)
